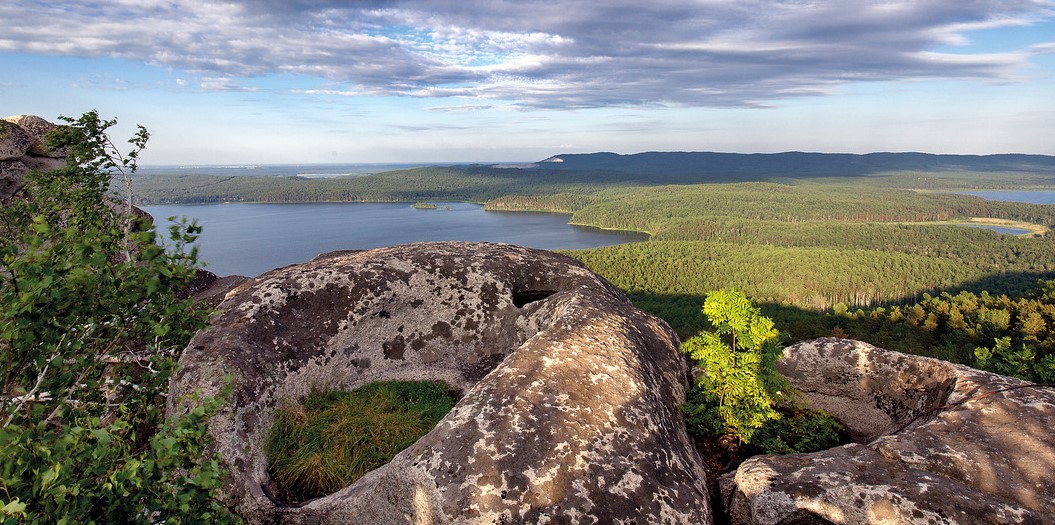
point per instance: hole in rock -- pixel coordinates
(529, 296)
(334, 437)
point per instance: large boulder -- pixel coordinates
(14, 141)
(23, 147)
(569, 409)
(12, 175)
(936, 443)
(38, 129)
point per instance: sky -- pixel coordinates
(364, 81)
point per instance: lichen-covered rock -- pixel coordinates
(12, 173)
(43, 163)
(14, 141)
(211, 290)
(37, 128)
(569, 408)
(937, 443)
(23, 148)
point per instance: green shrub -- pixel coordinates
(736, 358)
(739, 393)
(335, 438)
(90, 329)
(800, 430)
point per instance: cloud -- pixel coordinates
(221, 84)
(541, 53)
(463, 108)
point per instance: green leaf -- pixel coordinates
(14, 508)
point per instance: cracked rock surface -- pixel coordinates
(936, 443)
(569, 408)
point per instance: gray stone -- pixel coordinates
(43, 163)
(38, 129)
(569, 408)
(22, 149)
(212, 290)
(14, 141)
(12, 173)
(937, 443)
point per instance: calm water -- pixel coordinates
(997, 229)
(1032, 196)
(1027, 196)
(249, 239)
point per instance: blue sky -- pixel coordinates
(315, 81)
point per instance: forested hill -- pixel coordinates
(796, 163)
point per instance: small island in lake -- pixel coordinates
(429, 206)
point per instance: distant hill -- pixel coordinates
(794, 163)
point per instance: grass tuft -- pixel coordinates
(335, 437)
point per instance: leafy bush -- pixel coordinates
(801, 430)
(90, 329)
(1022, 362)
(337, 437)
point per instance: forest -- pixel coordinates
(860, 247)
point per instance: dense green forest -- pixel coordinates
(808, 244)
(653, 208)
(853, 247)
(586, 174)
(934, 170)
(473, 183)
(1009, 335)
(807, 277)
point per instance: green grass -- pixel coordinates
(335, 437)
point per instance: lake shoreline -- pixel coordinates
(252, 238)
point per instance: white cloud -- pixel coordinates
(540, 53)
(1045, 48)
(465, 108)
(221, 84)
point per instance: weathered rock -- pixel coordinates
(14, 141)
(23, 148)
(12, 173)
(43, 163)
(569, 412)
(38, 128)
(939, 443)
(210, 289)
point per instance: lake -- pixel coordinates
(998, 229)
(250, 239)
(1028, 196)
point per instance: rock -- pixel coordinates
(937, 443)
(12, 173)
(38, 129)
(23, 148)
(43, 163)
(14, 141)
(210, 289)
(569, 409)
